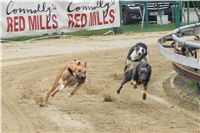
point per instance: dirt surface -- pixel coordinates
(182, 91)
(29, 69)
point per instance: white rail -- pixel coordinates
(193, 29)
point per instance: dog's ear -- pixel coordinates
(78, 63)
(85, 65)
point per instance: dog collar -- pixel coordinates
(136, 60)
(70, 70)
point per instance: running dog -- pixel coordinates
(137, 53)
(73, 74)
(138, 73)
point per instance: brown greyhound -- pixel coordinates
(72, 74)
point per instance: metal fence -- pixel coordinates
(181, 13)
(186, 65)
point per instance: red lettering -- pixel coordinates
(32, 22)
(70, 20)
(37, 24)
(16, 23)
(9, 24)
(55, 23)
(112, 17)
(83, 20)
(104, 18)
(98, 18)
(92, 19)
(77, 20)
(47, 23)
(41, 26)
(22, 23)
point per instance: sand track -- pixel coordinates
(29, 69)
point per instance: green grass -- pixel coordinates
(123, 28)
(192, 85)
(148, 28)
(88, 33)
(21, 38)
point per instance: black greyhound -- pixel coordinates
(138, 73)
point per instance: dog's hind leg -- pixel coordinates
(56, 90)
(45, 100)
(52, 92)
(47, 96)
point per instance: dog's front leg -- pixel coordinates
(145, 91)
(60, 87)
(78, 86)
(119, 89)
(124, 80)
(133, 82)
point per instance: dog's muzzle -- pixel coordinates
(81, 78)
(142, 79)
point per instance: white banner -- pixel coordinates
(36, 18)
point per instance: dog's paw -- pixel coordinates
(144, 94)
(61, 89)
(144, 97)
(43, 105)
(70, 94)
(135, 86)
(118, 92)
